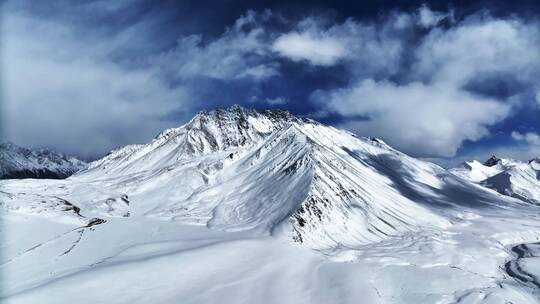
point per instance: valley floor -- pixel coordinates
(136, 259)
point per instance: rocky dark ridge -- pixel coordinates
(492, 161)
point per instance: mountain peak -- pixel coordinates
(237, 112)
(220, 129)
(492, 161)
(535, 160)
(236, 121)
(236, 124)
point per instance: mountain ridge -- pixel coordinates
(312, 183)
(509, 177)
(19, 162)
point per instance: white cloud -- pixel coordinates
(365, 48)
(428, 120)
(414, 79)
(277, 101)
(479, 47)
(428, 18)
(241, 52)
(260, 72)
(509, 47)
(61, 91)
(306, 46)
(530, 138)
(431, 112)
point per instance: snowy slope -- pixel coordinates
(248, 206)
(18, 162)
(506, 176)
(521, 181)
(476, 171)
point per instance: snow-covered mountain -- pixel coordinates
(242, 169)
(18, 162)
(260, 206)
(476, 171)
(506, 176)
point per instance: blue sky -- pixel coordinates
(447, 81)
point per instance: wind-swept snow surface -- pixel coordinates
(246, 206)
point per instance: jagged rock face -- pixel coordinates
(17, 162)
(492, 161)
(269, 171)
(208, 132)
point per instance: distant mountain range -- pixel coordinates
(19, 162)
(506, 176)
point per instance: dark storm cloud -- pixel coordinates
(91, 75)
